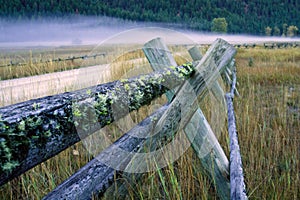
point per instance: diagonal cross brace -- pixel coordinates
(197, 129)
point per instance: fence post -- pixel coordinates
(159, 57)
(215, 162)
(215, 88)
(195, 53)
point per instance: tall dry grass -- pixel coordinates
(29, 62)
(268, 121)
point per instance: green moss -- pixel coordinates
(139, 96)
(102, 98)
(186, 69)
(47, 133)
(35, 106)
(22, 125)
(153, 118)
(101, 104)
(172, 67)
(123, 80)
(32, 122)
(16, 139)
(9, 166)
(142, 78)
(89, 92)
(76, 112)
(128, 95)
(127, 87)
(5, 149)
(57, 126)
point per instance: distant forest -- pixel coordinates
(242, 16)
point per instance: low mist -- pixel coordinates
(93, 30)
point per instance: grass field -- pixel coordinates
(42, 60)
(268, 123)
(30, 62)
(268, 117)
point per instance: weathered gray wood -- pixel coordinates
(213, 63)
(96, 176)
(195, 53)
(35, 130)
(237, 185)
(160, 57)
(206, 145)
(195, 125)
(215, 88)
(227, 78)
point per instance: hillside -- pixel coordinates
(242, 16)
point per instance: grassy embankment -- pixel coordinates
(268, 122)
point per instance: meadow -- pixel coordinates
(268, 123)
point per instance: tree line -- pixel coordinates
(242, 16)
(289, 31)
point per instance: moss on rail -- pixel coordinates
(35, 130)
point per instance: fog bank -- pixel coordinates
(94, 30)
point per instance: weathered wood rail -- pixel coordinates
(237, 185)
(73, 58)
(34, 131)
(281, 45)
(269, 45)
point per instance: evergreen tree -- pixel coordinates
(292, 31)
(276, 31)
(241, 16)
(284, 29)
(268, 31)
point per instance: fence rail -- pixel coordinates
(38, 129)
(35, 130)
(83, 57)
(269, 45)
(237, 185)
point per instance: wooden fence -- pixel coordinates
(270, 45)
(73, 58)
(36, 130)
